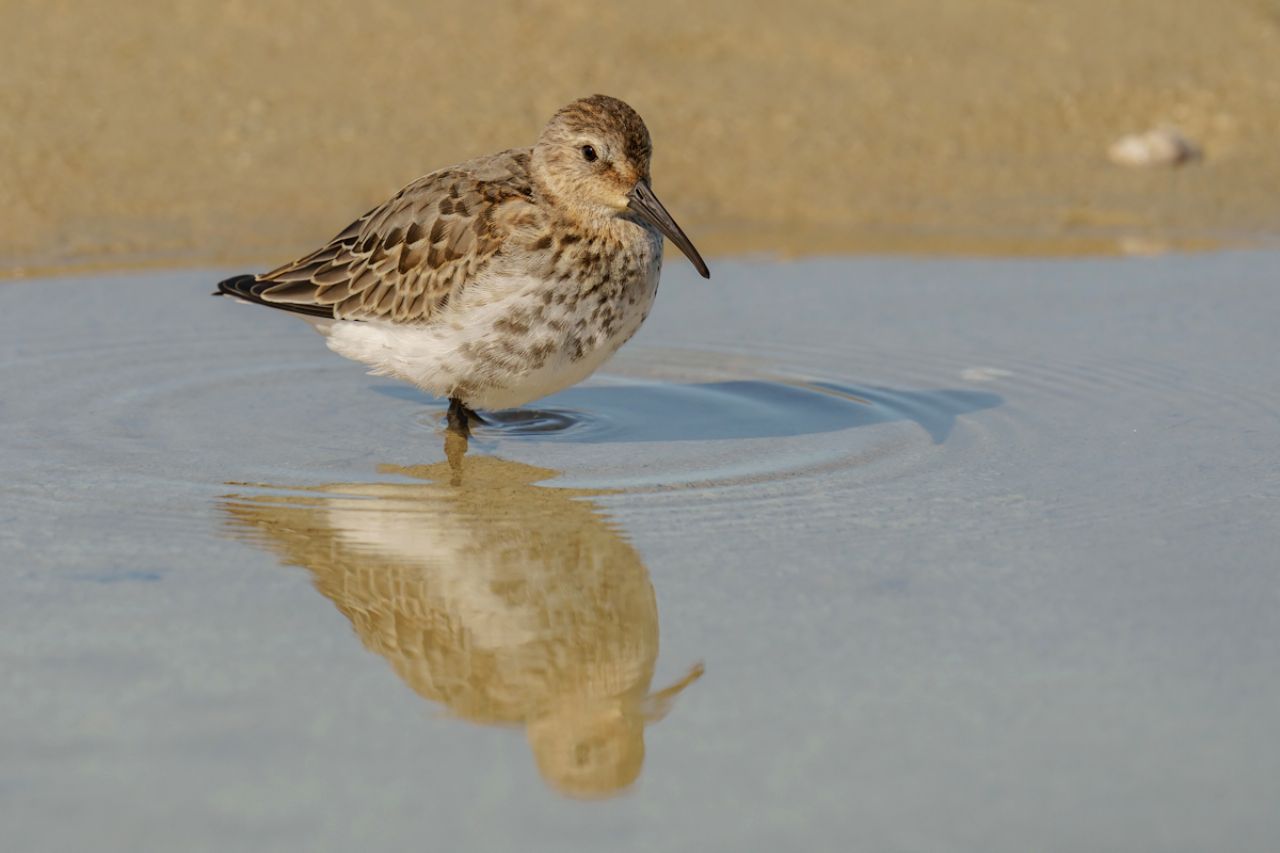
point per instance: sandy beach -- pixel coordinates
(234, 132)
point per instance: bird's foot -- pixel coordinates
(461, 418)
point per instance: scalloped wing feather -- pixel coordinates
(406, 258)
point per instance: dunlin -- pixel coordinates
(502, 279)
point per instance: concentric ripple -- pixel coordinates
(633, 429)
(127, 411)
(615, 410)
(127, 404)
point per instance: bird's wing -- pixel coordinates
(404, 259)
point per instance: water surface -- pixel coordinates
(836, 554)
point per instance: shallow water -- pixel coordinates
(837, 554)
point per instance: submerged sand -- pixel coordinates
(233, 131)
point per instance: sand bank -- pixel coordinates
(149, 133)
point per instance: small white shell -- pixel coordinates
(1160, 146)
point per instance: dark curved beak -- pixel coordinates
(643, 203)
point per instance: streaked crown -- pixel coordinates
(592, 153)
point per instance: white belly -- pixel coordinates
(503, 347)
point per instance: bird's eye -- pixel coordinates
(589, 154)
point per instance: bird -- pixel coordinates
(499, 280)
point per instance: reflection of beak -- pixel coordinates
(658, 705)
(643, 203)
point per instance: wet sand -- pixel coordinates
(972, 555)
(246, 133)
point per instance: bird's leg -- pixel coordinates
(459, 417)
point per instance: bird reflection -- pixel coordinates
(507, 602)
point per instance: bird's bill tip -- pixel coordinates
(642, 202)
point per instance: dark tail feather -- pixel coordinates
(249, 288)
(238, 285)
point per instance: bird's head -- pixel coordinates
(593, 157)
